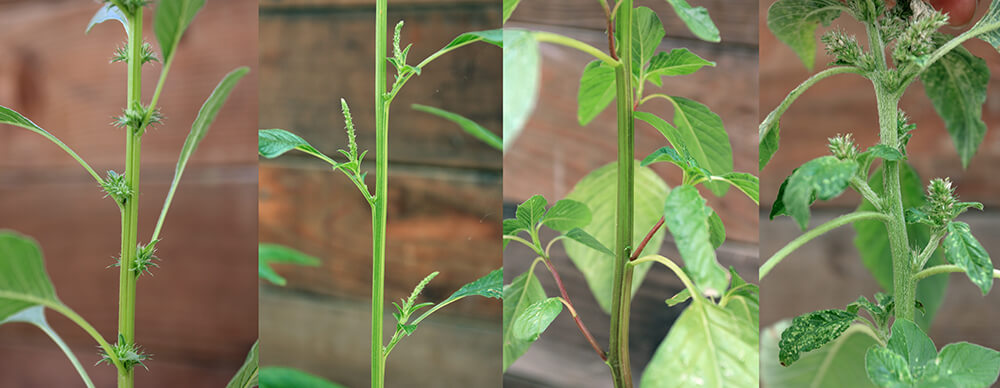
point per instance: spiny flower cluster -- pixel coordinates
(846, 51)
(917, 41)
(147, 54)
(131, 5)
(133, 117)
(144, 259)
(941, 201)
(128, 354)
(843, 147)
(116, 187)
(903, 129)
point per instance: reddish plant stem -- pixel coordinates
(611, 37)
(579, 322)
(642, 245)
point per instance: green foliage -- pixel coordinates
(272, 143)
(280, 377)
(678, 61)
(23, 280)
(521, 75)
(489, 286)
(647, 33)
(247, 376)
(597, 90)
(821, 178)
(522, 292)
(837, 365)
(268, 254)
(108, 12)
(686, 216)
(469, 126)
(956, 85)
(986, 28)
(406, 307)
(566, 214)
(811, 331)
(536, 318)
(508, 8)
(697, 20)
(172, 18)
(963, 250)
(794, 22)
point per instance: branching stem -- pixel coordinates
(816, 232)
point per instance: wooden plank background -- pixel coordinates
(827, 273)
(554, 152)
(197, 314)
(444, 191)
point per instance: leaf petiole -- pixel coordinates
(816, 232)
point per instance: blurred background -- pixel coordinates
(554, 152)
(197, 314)
(827, 272)
(444, 191)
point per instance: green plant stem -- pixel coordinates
(677, 271)
(130, 213)
(768, 122)
(549, 37)
(816, 232)
(928, 250)
(945, 268)
(621, 298)
(904, 286)
(381, 194)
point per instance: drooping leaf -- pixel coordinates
(281, 377)
(794, 23)
(524, 291)
(821, 178)
(962, 249)
(872, 243)
(172, 18)
(35, 316)
(268, 254)
(467, 125)
(582, 237)
(530, 212)
(768, 144)
(956, 85)
(247, 376)
(678, 61)
(707, 346)
(747, 183)
(840, 364)
(697, 20)
(687, 217)
(521, 74)
(598, 191)
(537, 317)
(597, 90)
(811, 331)
(108, 12)
(508, 8)
(567, 214)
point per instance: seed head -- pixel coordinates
(843, 147)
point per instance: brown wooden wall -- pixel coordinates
(554, 152)
(197, 314)
(444, 189)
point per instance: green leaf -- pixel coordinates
(962, 249)
(956, 85)
(743, 300)
(969, 365)
(530, 212)
(521, 74)
(908, 341)
(697, 20)
(686, 216)
(821, 178)
(676, 62)
(23, 280)
(811, 331)
(794, 23)
(988, 25)
(494, 37)
(537, 317)
(872, 242)
(524, 291)
(172, 18)
(598, 191)
(597, 90)
(35, 316)
(567, 214)
(281, 377)
(246, 377)
(681, 297)
(747, 183)
(108, 12)
(8, 116)
(686, 163)
(838, 365)
(582, 237)
(707, 346)
(885, 152)
(490, 286)
(511, 227)
(717, 230)
(647, 34)
(268, 254)
(272, 143)
(768, 144)
(469, 126)
(887, 369)
(700, 131)
(508, 8)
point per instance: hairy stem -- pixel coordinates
(945, 268)
(621, 299)
(904, 286)
(816, 232)
(381, 194)
(775, 115)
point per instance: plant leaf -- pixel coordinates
(566, 215)
(272, 143)
(686, 216)
(247, 377)
(494, 37)
(524, 291)
(962, 249)
(108, 12)
(23, 280)
(747, 183)
(821, 178)
(885, 152)
(508, 8)
(969, 365)
(956, 85)
(717, 230)
(887, 369)
(598, 191)
(172, 18)
(840, 364)
(681, 297)
(676, 62)
(8, 116)
(794, 23)
(490, 286)
(281, 377)
(469, 126)
(768, 144)
(521, 68)
(811, 331)
(707, 346)
(597, 90)
(582, 237)
(908, 341)
(872, 242)
(268, 254)
(35, 315)
(647, 34)
(697, 20)
(988, 25)
(530, 212)
(537, 317)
